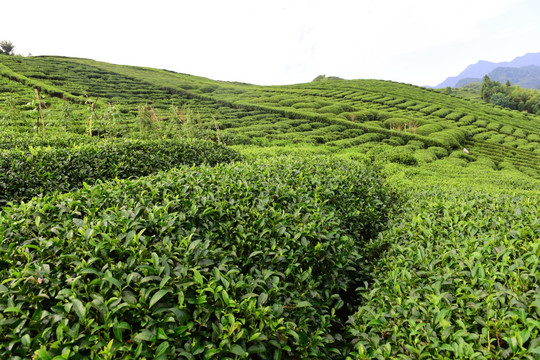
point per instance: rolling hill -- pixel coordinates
(146, 213)
(342, 113)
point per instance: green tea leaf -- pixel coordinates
(79, 308)
(42, 354)
(26, 340)
(158, 295)
(113, 281)
(302, 304)
(209, 353)
(197, 276)
(238, 350)
(162, 348)
(144, 335)
(12, 309)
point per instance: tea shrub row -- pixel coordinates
(12, 140)
(235, 261)
(461, 279)
(25, 173)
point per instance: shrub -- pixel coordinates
(27, 173)
(288, 102)
(484, 135)
(395, 141)
(520, 133)
(241, 260)
(304, 105)
(441, 113)
(428, 129)
(496, 138)
(441, 257)
(430, 109)
(335, 109)
(367, 137)
(439, 152)
(373, 123)
(484, 161)
(467, 119)
(455, 115)
(482, 123)
(416, 144)
(369, 115)
(392, 154)
(425, 155)
(451, 138)
(507, 129)
(494, 126)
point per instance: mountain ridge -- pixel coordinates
(484, 67)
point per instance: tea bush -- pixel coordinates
(428, 129)
(25, 173)
(460, 280)
(240, 260)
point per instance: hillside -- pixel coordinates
(356, 113)
(481, 68)
(146, 213)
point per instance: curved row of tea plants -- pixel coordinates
(461, 279)
(31, 171)
(236, 261)
(23, 141)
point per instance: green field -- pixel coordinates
(152, 214)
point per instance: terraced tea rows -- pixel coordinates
(372, 235)
(338, 113)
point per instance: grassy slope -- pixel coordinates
(471, 203)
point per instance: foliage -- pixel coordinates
(228, 262)
(326, 78)
(267, 257)
(512, 97)
(460, 280)
(6, 47)
(36, 170)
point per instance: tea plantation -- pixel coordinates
(148, 214)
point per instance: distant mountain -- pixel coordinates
(467, 81)
(526, 76)
(481, 68)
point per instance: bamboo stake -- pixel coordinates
(40, 111)
(90, 121)
(217, 129)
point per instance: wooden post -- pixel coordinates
(36, 90)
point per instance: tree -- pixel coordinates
(6, 47)
(489, 88)
(502, 100)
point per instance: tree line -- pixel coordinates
(510, 96)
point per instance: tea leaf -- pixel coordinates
(158, 295)
(79, 309)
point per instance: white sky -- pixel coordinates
(280, 41)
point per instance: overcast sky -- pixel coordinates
(280, 41)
